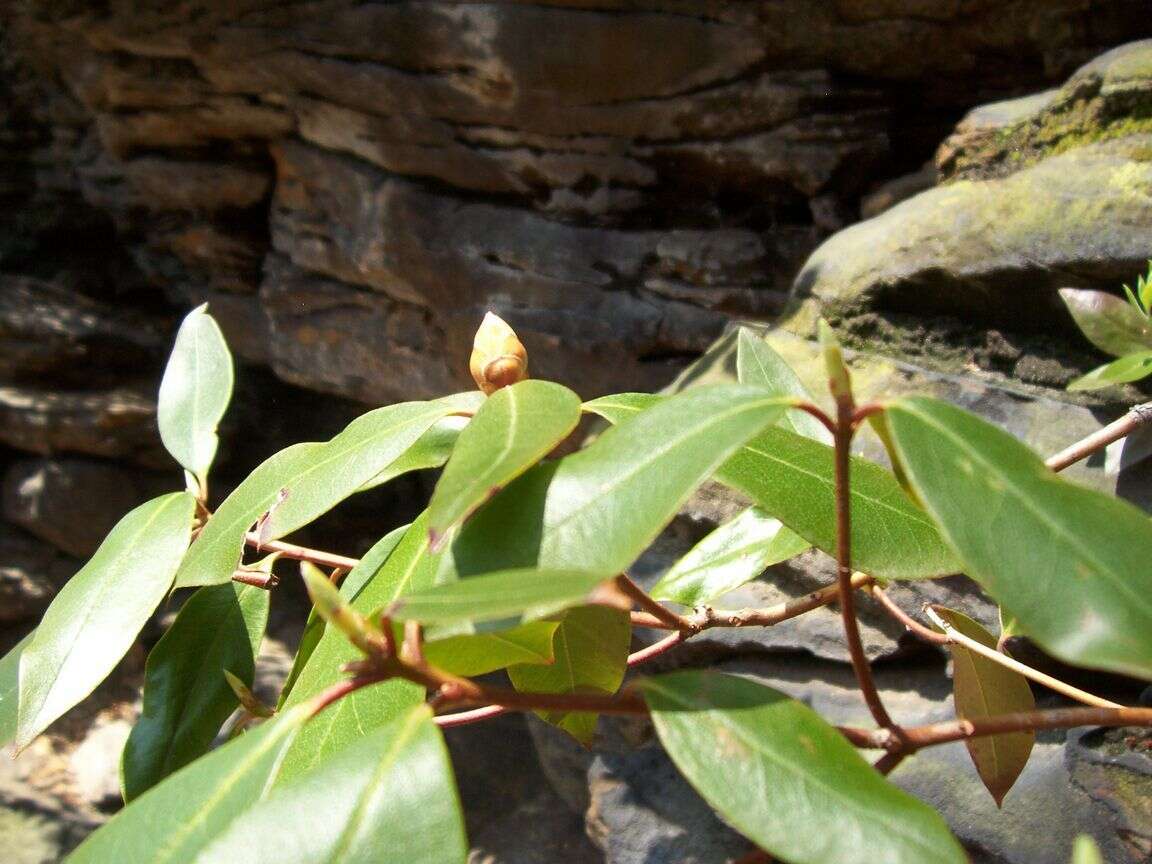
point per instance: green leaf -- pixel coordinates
(174, 820)
(391, 796)
(757, 364)
(480, 653)
(305, 481)
(1085, 851)
(95, 618)
(351, 586)
(1113, 326)
(591, 653)
(1069, 563)
(983, 689)
(194, 392)
(524, 594)
(779, 774)
(793, 479)
(431, 450)
(513, 430)
(735, 553)
(10, 689)
(408, 567)
(186, 696)
(598, 509)
(1131, 367)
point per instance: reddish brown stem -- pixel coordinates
(887, 763)
(341, 689)
(667, 619)
(843, 442)
(463, 718)
(817, 412)
(256, 578)
(925, 633)
(656, 648)
(300, 553)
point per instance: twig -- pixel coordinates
(300, 553)
(463, 718)
(641, 598)
(705, 617)
(656, 648)
(887, 763)
(951, 634)
(1114, 431)
(908, 621)
(846, 410)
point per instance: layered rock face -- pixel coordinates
(353, 184)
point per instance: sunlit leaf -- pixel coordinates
(598, 509)
(306, 480)
(95, 618)
(173, 821)
(792, 479)
(431, 450)
(390, 796)
(194, 392)
(1069, 563)
(591, 652)
(1113, 326)
(984, 689)
(523, 594)
(513, 430)
(757, 364)
(186, 697)
(779, 774)
(735, 553)
(479, 653)
(1131, 367)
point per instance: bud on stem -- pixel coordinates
(498, 359)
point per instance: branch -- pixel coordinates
(668, 619)
(301, 553)
(889, 606)
(951, 634)
(705, 617)
(1114, 431)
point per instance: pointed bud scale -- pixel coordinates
(498, 359)
(839, 381)
(247, 698)
(331, 606)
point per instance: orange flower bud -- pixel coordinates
(498, 358)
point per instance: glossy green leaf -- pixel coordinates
(513, 430)
(10, 689)
(983, 689)
(525, 594)
(1131, 367)
(390, 797)
(306, 480)
(350, 587)
(735, 553)
(779, 774)
(431, 450)
(757, 364)
(1085, 851)
(591, 653)
(408, 567)
(186, 697)
(479, 653)
(792, 478)
(598, 509)
(1109, 323)
(95, 618)
(194, 392)
(173, 821)
(1069, 563)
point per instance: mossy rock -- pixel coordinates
(1107, 99)
(994, 252)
